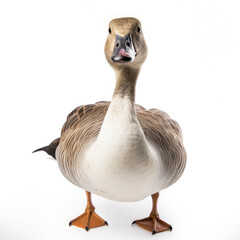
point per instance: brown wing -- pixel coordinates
(165, 134)
(157, 124)
(87, 114)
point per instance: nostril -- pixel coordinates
(128, 43)
(117, 45)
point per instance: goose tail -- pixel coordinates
(50, 149)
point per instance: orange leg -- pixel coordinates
(89, 219)
(153, 223)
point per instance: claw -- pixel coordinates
(153, 232)
(70, 224)
(106, 223)
(170, 228)
(133, 222)
(86, 229)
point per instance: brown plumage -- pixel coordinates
(86, 122)
(83, 125)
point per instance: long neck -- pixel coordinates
(121, 137)
(126, 82)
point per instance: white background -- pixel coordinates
(52, 60)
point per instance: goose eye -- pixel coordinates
(109, 30)
(138, 29)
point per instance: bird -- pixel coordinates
(118, 149)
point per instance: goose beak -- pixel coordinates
(123, 51)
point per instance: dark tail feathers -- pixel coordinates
(50, 149)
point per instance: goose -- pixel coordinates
(118, 149)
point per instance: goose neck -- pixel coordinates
(126, 79)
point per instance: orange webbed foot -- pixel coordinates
(89, 219)
(153, 224)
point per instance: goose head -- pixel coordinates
(125, 44)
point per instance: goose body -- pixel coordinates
(118, 149)
(120, 160)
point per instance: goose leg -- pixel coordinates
(153, 223)
(89, 219)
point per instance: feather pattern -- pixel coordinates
(82, 128)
